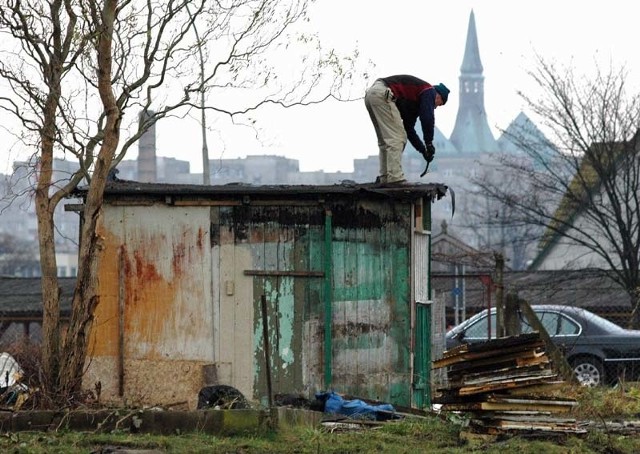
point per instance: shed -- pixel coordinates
(343, 271)
(21, 307)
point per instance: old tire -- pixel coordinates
(588, 371)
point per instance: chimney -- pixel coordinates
(147, 150)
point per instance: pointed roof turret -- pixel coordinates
(471, 63)
(471, 133)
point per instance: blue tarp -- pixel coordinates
(355, 408)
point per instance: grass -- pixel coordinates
(622, 401)
(433, 434)
(417, 436)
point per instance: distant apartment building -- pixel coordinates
(18, 222)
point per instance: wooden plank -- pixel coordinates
(206, 202)
(513, 360)
(236, 202)
(537, 426)
(536, 389)
(543, 417)
(133, 202)
(504, 384)
(508, 406)
(513, 414)
(472, 356)
(287, 273)
(503, 342)
(547, 400)
(469, 373)
(505, 374)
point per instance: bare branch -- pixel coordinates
(582, 193)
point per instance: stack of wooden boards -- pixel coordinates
(506, 384)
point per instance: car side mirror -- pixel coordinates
(460, 336)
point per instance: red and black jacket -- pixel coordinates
(414, 98)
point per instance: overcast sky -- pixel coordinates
(426, 39)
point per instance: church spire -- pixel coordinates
(471, 63)
(471, 133)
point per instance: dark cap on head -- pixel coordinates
(443, 91)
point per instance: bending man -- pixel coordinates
(394, 104)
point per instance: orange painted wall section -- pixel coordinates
(161, 257)
(104, 334)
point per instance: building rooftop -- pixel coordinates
(409, 191)
(21, 297)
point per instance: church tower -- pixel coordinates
(471, 133)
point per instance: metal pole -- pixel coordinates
(464, 293)
(456, 297)
(328, 313)
(500, 326)
(265, 337)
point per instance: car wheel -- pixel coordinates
(588, 371)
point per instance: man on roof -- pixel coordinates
(394, 104)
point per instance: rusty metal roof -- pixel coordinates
(21, 297)
(409, 191)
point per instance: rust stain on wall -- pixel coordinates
(200, 239)
(178, 259)
(142, 271)
(163, 269)
(151, 297)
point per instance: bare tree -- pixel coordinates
(492, 221)
(79, 73)
(583, 185)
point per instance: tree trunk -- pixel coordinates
(45, 207)
(74, 349)
(50, 292)
(634, 320)
(85, 299)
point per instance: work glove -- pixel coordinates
(430, 153)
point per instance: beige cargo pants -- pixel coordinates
(392, 137)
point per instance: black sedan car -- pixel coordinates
(598, 350)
